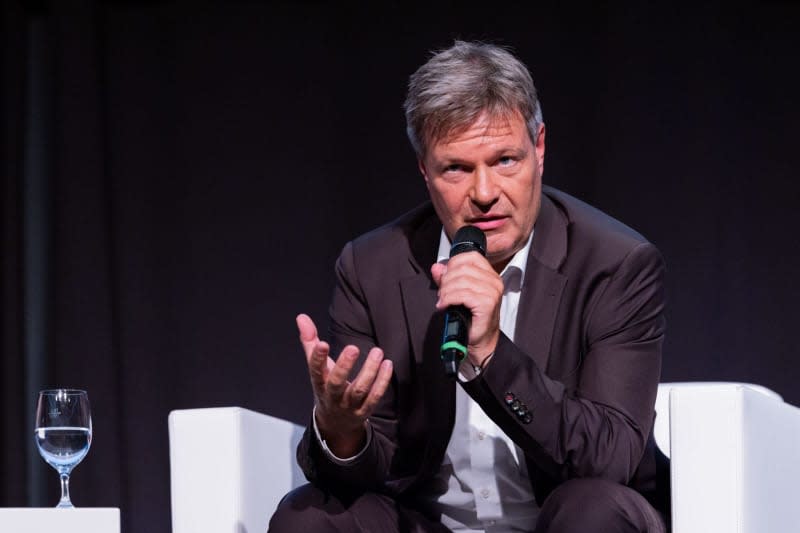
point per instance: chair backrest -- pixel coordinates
(733, 454)
(661, 426)
(229, 469)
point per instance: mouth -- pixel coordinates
(488, 223)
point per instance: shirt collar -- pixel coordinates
(518, 262)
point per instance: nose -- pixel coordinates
(485, 190)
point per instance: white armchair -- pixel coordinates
(734, 457)
(229, 468)
(733, 447)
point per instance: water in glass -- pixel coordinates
(63, 432)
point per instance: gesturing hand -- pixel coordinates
(469, 280)
(342, 406)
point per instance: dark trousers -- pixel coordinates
(577, 506)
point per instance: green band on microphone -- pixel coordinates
(455, 345)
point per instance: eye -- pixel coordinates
(506, 161)
(453, 168)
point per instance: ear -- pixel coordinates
(539, 148)
(423, 171)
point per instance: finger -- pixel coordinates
(378, 389)
(308, 333)
(471, 281)
(469, 290)
(437, 269)
(318, 367)
(472, 259)
(357, 390)
(310, 341)
(337, 377)
(467, 298)
(478, 302)
(477, 269)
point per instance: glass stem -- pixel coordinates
(65, 501)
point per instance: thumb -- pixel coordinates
(437, 271)
(306, 327)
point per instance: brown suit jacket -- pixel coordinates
(585, 363)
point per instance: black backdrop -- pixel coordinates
(202, 166)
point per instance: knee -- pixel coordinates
(585, 505)
(306, 508)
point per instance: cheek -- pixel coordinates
(525, 202)
(449, 199)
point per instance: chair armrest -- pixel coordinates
(229, 468)
(734, 460)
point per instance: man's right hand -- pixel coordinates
(342, 406)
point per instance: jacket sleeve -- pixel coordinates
(351, 324)
(600, 427)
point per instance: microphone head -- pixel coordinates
(468, 239)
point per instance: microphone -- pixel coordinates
(457, 318)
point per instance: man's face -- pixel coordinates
(489, 176)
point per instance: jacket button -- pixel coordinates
(509, 398)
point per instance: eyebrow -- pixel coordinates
(507, 150)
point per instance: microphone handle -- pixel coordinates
(458, 318)
(455, 338)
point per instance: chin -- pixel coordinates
(499, 245)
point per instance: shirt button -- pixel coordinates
(491, 523)
(481, 435)
(485, 494)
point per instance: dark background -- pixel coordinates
(179, 178)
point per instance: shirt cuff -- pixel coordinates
(467, 371)
(328, 452)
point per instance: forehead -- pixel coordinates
(485, 130)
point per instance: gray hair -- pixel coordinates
(449, 92)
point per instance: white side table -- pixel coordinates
(40, 520)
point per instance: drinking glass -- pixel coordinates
(63, 432)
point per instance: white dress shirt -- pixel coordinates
(488, 488)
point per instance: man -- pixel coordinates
(548, 425)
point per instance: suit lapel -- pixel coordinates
(419, 301)
(425, 326)
(543, 284)
(418, 289)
